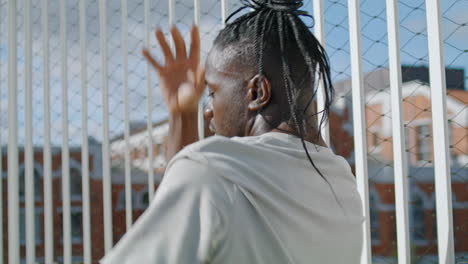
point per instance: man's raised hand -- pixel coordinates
(181, 77)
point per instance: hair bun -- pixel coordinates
(277, 5)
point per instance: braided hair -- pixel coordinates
(272, 36)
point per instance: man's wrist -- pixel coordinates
(183, 130)
(190, 115)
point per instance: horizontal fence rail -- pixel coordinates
(84, 125)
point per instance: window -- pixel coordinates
(144, 203)
(374, 217)
(37, 226)
(452, 143)
(434, 226)
(76, 224)
(37, 184)
(74, 260)
(423, 143)
(417, 216)
(122, 198)
(75, 183)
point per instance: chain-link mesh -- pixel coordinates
(417, 118)
(416, 110)
(455, 25)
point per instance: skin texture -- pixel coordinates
(242, 103)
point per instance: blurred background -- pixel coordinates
(133, 102)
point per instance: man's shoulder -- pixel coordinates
(191, 172)
(213, 143)
(212, 146)
(208, 143)
(206, 161)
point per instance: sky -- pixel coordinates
(413, 41)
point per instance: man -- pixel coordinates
(265, 189)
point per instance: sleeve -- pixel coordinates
(182, 224)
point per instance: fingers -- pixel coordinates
(151, 60)
(179, 43)
(168, 57)
(195, 45)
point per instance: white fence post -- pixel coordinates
(128, 181)
(106, 177)
(66, 213)
(28, 148)
(171, 12)
(443, 187)
(359, 119)
(48, 206)
(86, 216)
(319, 33)
(1, 185)
(149, 119)
(201, 121)
(399, 161)
(13, 213)
(223, 12)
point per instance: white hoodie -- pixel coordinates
(249, 200)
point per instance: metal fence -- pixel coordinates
(83, 123)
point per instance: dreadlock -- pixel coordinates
(271, 36)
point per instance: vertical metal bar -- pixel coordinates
(29, 168)
(48, 215)
(150, 107)
(13, 213)
(1, 149)
(66, 214)
(360, 144)
(1, 184)
(400, 166)
(171, 12)
(128, 182)
(223, 12)
(319, 32)
(196, 11)
(1, 159)
(84, 138)
(443, 186)
(201, 121)
(106, 177)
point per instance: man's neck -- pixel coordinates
(259, 126)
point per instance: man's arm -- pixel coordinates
(181, 223)
(182, 83)
(183, 131)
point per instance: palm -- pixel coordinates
(181, 78)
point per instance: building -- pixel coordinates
(416, 111)
(139, 185)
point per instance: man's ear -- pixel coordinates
(258, 92)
